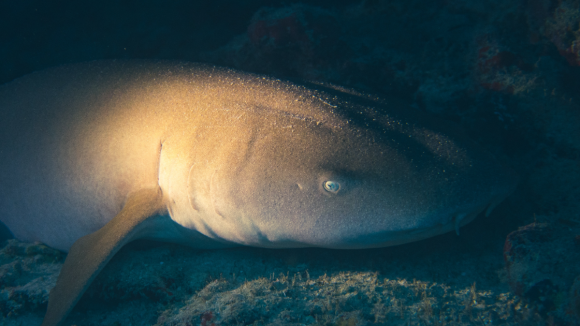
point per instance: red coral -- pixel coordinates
(569, 50)
(561, 25)
(496, 67)
(207, 319)
(490, 60)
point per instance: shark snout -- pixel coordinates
(486, 204)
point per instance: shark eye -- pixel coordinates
(331, 186)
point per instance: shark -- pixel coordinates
(95, 155)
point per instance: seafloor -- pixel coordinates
(507, 71)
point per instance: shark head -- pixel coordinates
(345, 170)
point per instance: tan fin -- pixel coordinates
(88, 255)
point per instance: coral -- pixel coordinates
(499, 69)
(207, 318)
(27, 273)
(534, 255)
(563, 30)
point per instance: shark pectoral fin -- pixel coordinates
(143, 210)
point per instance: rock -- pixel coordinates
(538, 263)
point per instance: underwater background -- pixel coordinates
(506, 71)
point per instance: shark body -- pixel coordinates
(98, 154)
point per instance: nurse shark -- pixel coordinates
(95, 155)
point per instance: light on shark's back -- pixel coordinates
(98, 154)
